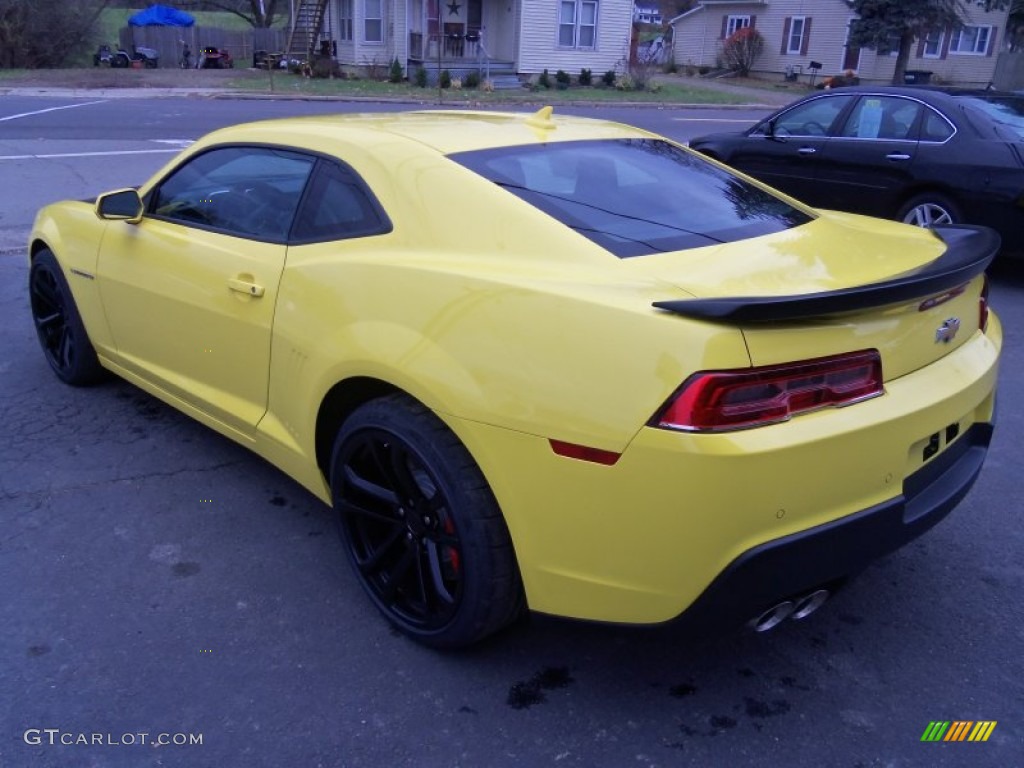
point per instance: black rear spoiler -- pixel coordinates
(969, 251)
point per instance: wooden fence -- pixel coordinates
(169, 42)
(1009, 74)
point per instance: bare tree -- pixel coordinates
(741, 50)
(259, 13)
(29, 37)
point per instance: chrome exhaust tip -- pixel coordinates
(808, 604)
(797, 608)
(773, 616)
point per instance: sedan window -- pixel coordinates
(812, 118)
(1006, 110)
(881, 117)
(934, 127)
(247, 191)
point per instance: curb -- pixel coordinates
(170, 93)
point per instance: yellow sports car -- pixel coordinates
(542, 363)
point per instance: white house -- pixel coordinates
(515, 36)
(644, 14)
(799, 32)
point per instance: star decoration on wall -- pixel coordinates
(453, 8)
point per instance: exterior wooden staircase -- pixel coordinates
(309, 18)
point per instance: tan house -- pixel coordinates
(512, 36)
(799, 32)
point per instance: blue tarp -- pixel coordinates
(161, 16)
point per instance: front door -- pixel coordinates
(190, 291)
(786, 152)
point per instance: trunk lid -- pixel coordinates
(838, 284)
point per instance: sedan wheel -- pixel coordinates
(929, 210)
(422, 528)
(58, 325)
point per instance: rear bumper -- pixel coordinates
(734, 520)
(823, 556)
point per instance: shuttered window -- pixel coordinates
(971, 40)
(796, 33)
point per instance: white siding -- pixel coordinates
(698, 42)
(954, 68)
(697, 37)
(538, 46)
(825, 41)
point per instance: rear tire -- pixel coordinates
(929, 209)
(59, 327)
(423, 531)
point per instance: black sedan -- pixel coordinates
(922, 155)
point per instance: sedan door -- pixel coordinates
(190, 291)
(868, 167)
(784, 152)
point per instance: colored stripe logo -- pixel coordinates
(958, 730)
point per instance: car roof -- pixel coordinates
(446, 132)
(936, 94)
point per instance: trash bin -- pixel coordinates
(917, 77)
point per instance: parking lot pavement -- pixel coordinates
(159, 579)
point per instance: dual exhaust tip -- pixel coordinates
(797, 608)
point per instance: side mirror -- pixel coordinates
(122, 205)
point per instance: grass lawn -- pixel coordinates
(284, 83)
(671, 90)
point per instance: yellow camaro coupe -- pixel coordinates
(542, 363)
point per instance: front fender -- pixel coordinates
(73, 232)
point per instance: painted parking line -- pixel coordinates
(51, 109)
(114, 153)
(711, 120)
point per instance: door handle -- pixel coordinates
(897, 156)
(806, 151)
(249, 289)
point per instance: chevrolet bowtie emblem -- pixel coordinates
(947, 331)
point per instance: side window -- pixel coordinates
(812, 118)
(882, 117)
(246, 191)
(935, 127)
(338, 206)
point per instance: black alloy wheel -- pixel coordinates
(59, 327)
(422, 528)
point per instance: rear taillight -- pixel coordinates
(983, 305)
(751, 397)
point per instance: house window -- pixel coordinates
(970, 40)
(577, 24)
(797, 30)
(933, 44)
(345, 19)
(734, 24)
(373, 21)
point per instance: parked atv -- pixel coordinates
(104, 55)
(211, 57)
(149, 57)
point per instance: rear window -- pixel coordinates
(1006, 110)
(635, 197)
